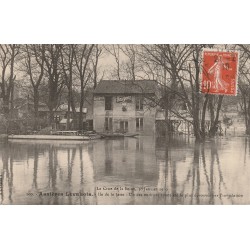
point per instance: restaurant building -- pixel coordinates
(125, 106)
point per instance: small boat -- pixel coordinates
(95, 136)
(118, 135)
(92, 134)
(50, 137)
(60, 135)
(130, 135)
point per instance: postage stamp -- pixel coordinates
(219, 72)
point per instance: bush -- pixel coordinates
(45, 131)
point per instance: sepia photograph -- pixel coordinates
(124, 124)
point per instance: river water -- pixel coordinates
(143, 170)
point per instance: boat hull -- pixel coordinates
(50, 137)
(118, 135)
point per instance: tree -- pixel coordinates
(131, 66)
(67, 58)
(33, 62)
(244, 84)
(8, 58)
(115, 51)
(170, 60)
(177, 69)
(82, 56)
(54, 75)
(98, 52)
(126, 63)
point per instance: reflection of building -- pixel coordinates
(124, 106)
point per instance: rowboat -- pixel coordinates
(118, 135)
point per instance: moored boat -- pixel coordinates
(118, 135)
(59, 135)
(50, 137)
(92, 134)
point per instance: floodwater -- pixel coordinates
(143, 170)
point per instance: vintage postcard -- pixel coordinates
(93, 124)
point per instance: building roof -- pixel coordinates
(126, 87)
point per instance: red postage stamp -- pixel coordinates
(219, 72)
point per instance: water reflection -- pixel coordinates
(108, 147)
(144, 170)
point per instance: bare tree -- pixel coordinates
(54, 75)
(33, 62)
(82, 56)
(115, 51)
(168, 62)
(98, 51)
(67, 58)
(8, 57)
(178, 68)
(244, 83)
(130, 51)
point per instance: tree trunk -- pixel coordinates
(196, 121)
(51, 115)
(203, 118)
(166, 114)
(68, 112)
(12, 102)
(73, 108)
(247, 113)
(81, 109)
(199, 137)
(6, 109)
(36, 104)
(248, 127)
(215, 125)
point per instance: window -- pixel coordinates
(139, 103)
(108, 103)
(124, 126)
(139, 124)
(108, 124)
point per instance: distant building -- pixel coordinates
(232, 116)
(125, 106)
(24, 109)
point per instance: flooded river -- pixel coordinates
(143, 170)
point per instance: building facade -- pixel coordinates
(125, 106)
